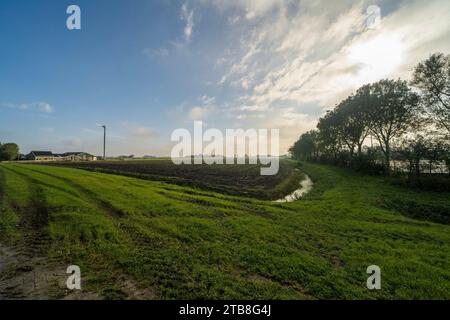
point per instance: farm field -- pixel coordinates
(242, 180)
(144, 239)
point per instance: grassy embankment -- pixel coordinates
(147, 239)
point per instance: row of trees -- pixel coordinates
(9, 151)
(385, 121)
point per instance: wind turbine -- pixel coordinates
(104, 139)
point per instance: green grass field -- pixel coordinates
(136, 238)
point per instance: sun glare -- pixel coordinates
(377, 57)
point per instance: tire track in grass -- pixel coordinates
(125, 284)
(101, 204)
(2, 185)
(7, 256)
(3, 204)
(27, 272)
(34, 215)
(98, 204)
(48, 185)
(2, 198)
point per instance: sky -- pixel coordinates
(147, 67)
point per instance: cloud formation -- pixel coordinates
(43, 107)
(187, 15)
(202, 112)
(294, 55)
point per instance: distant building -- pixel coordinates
(125, 157)
(77, 156)
(40, 156)
(68, 156)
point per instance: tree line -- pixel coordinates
(387, 122)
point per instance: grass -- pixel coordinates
(166, 241)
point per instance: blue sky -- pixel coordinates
(147, 67)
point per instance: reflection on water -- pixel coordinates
(305, 186)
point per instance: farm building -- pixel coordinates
(40, 156)
(68, 156)
(76, 156)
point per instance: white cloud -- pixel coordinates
(253, 108)
(208, 100)
(43, 107)
(200, 113)
(221, 61)
(187, 15)
(252, 8)
(234, 19)
(143, 132)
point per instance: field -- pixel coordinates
(242, 180)
(146, 239)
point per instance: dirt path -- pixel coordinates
(7, 258)
(22, 277)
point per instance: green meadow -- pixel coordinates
(143, 239)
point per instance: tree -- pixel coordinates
(437, 151)
(353, 118)
(394, 108)
(446, 152)
(360, 116)
(421, 151)
(414, 150)
(344, 128)
(9, 151)
(432, 77)
(329, 139)
(306, 147)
